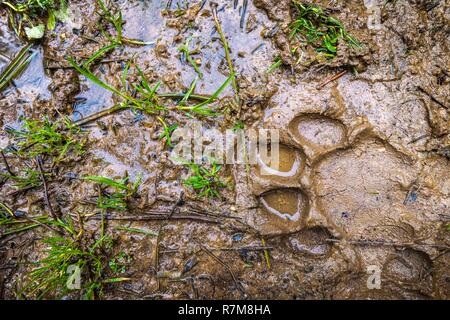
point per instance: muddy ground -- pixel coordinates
(365, 159)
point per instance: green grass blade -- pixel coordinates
(106, 181)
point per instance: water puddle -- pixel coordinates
(33, 84)
(91, 100)
(290, 164)
(284, 209)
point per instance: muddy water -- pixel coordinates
(289, 165)
(27, 87)
(364, 178)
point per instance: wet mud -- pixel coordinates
(364, 178)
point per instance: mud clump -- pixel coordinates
(300, 57)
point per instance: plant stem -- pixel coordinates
(227, 52)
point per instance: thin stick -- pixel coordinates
(44, 182)
(257, 48)
(158, 240)
(16, 66)
(176, 204)
(8, 168)
(15, 192)
(161, 217)
(43, 225)
(98, 115)
(335, 77)
(432, 97)
(266, 253)
(68, 66)
(250, 248)
(244, 11)
(419, 138)
(238, 285)
(174, 95)
(191, 211)
(389, 244)
(169, 216)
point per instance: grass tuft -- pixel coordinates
(52, 275)
(319, 30)
(33, 16)
(116, 20)
(27, 179)
(167, 133)
(42, 137)
(205, 181)
(123, 190)
(184, 49)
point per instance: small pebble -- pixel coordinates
(19, 213)
(237, 237)
(190, 264)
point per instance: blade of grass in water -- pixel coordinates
(145, 105)
(199, 107)
(89, 75)
(185, 50)
(118, 22)
(275, 65)
(175, 95)
(101, 52)
(189, 92)
(227, 51)
(98, 115)
(16, 66)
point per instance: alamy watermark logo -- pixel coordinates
(374, 279)
(197, 144)
(74, 279)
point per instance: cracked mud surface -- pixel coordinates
(365, 161)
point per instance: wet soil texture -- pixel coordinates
(364, 179)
